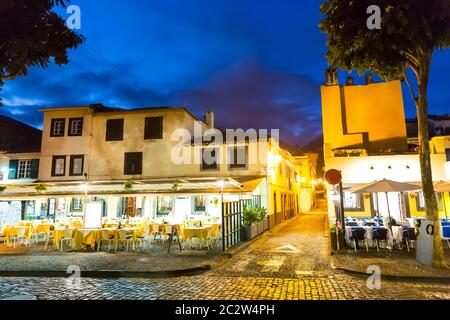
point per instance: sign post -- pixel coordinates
(334, 178)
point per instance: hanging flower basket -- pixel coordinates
(41, 188)
(128, 185)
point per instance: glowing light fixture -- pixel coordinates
(221, 183)
(303, 179)
(277, 159)
(84, 187)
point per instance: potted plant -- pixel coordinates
(128, 185)
(262, 214)
(264, 218)
(333, 237)
(41, 188)
(249, 227)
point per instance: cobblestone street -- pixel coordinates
(289, 264)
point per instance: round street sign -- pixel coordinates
(333, 176)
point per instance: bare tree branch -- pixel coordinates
(411, 90)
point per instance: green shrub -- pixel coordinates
(249, 216)
(262, 213)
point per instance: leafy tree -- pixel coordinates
(30, 34)
(401, 49)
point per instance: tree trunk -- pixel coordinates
(431, 204)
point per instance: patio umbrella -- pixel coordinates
(386, 186)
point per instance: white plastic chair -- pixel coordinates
(67, 238)
(104, 237)
(122, 238)
(21, 235)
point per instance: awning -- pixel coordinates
(148, 186)
(442, 187)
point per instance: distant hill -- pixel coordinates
(17, 137)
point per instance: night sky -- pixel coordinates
(255, 63)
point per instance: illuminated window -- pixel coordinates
(58, 127)
(59, 166)
(76, 165)
(76, 205)
(164, 205)
(420, 201)
(353, 201)
(24, 169)
(75, 126)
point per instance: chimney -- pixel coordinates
(369, 78)
(331, 76)
(209, 119)
(349, 81)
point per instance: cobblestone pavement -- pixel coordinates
(290, 264)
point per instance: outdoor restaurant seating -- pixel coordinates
(409, 236)
(67, 238)
(358, 234)
(446, 233)
(139, 234)
(380, 234)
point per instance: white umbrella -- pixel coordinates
(386, 186)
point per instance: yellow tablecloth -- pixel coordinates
(42, 228)
(11, 231)
(200, 233)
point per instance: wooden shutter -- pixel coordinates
(133, 163)
(114, 130)
(34, 169)
(153, 128)
(13, 164)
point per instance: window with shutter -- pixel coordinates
(24, 169)
(58, 127)
(238, 157)
(133, 163)
(114, 130)
(12, 174)
(210, 159)
(153, 128)
(76, 165)
(59, 166)
(75, 126)
(34, 169)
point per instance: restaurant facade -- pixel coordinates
(152, 163)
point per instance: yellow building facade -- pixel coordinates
(365, 138)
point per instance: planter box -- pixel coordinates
(248, 233)
(260, 226)
(333, 241)
(266, 224)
